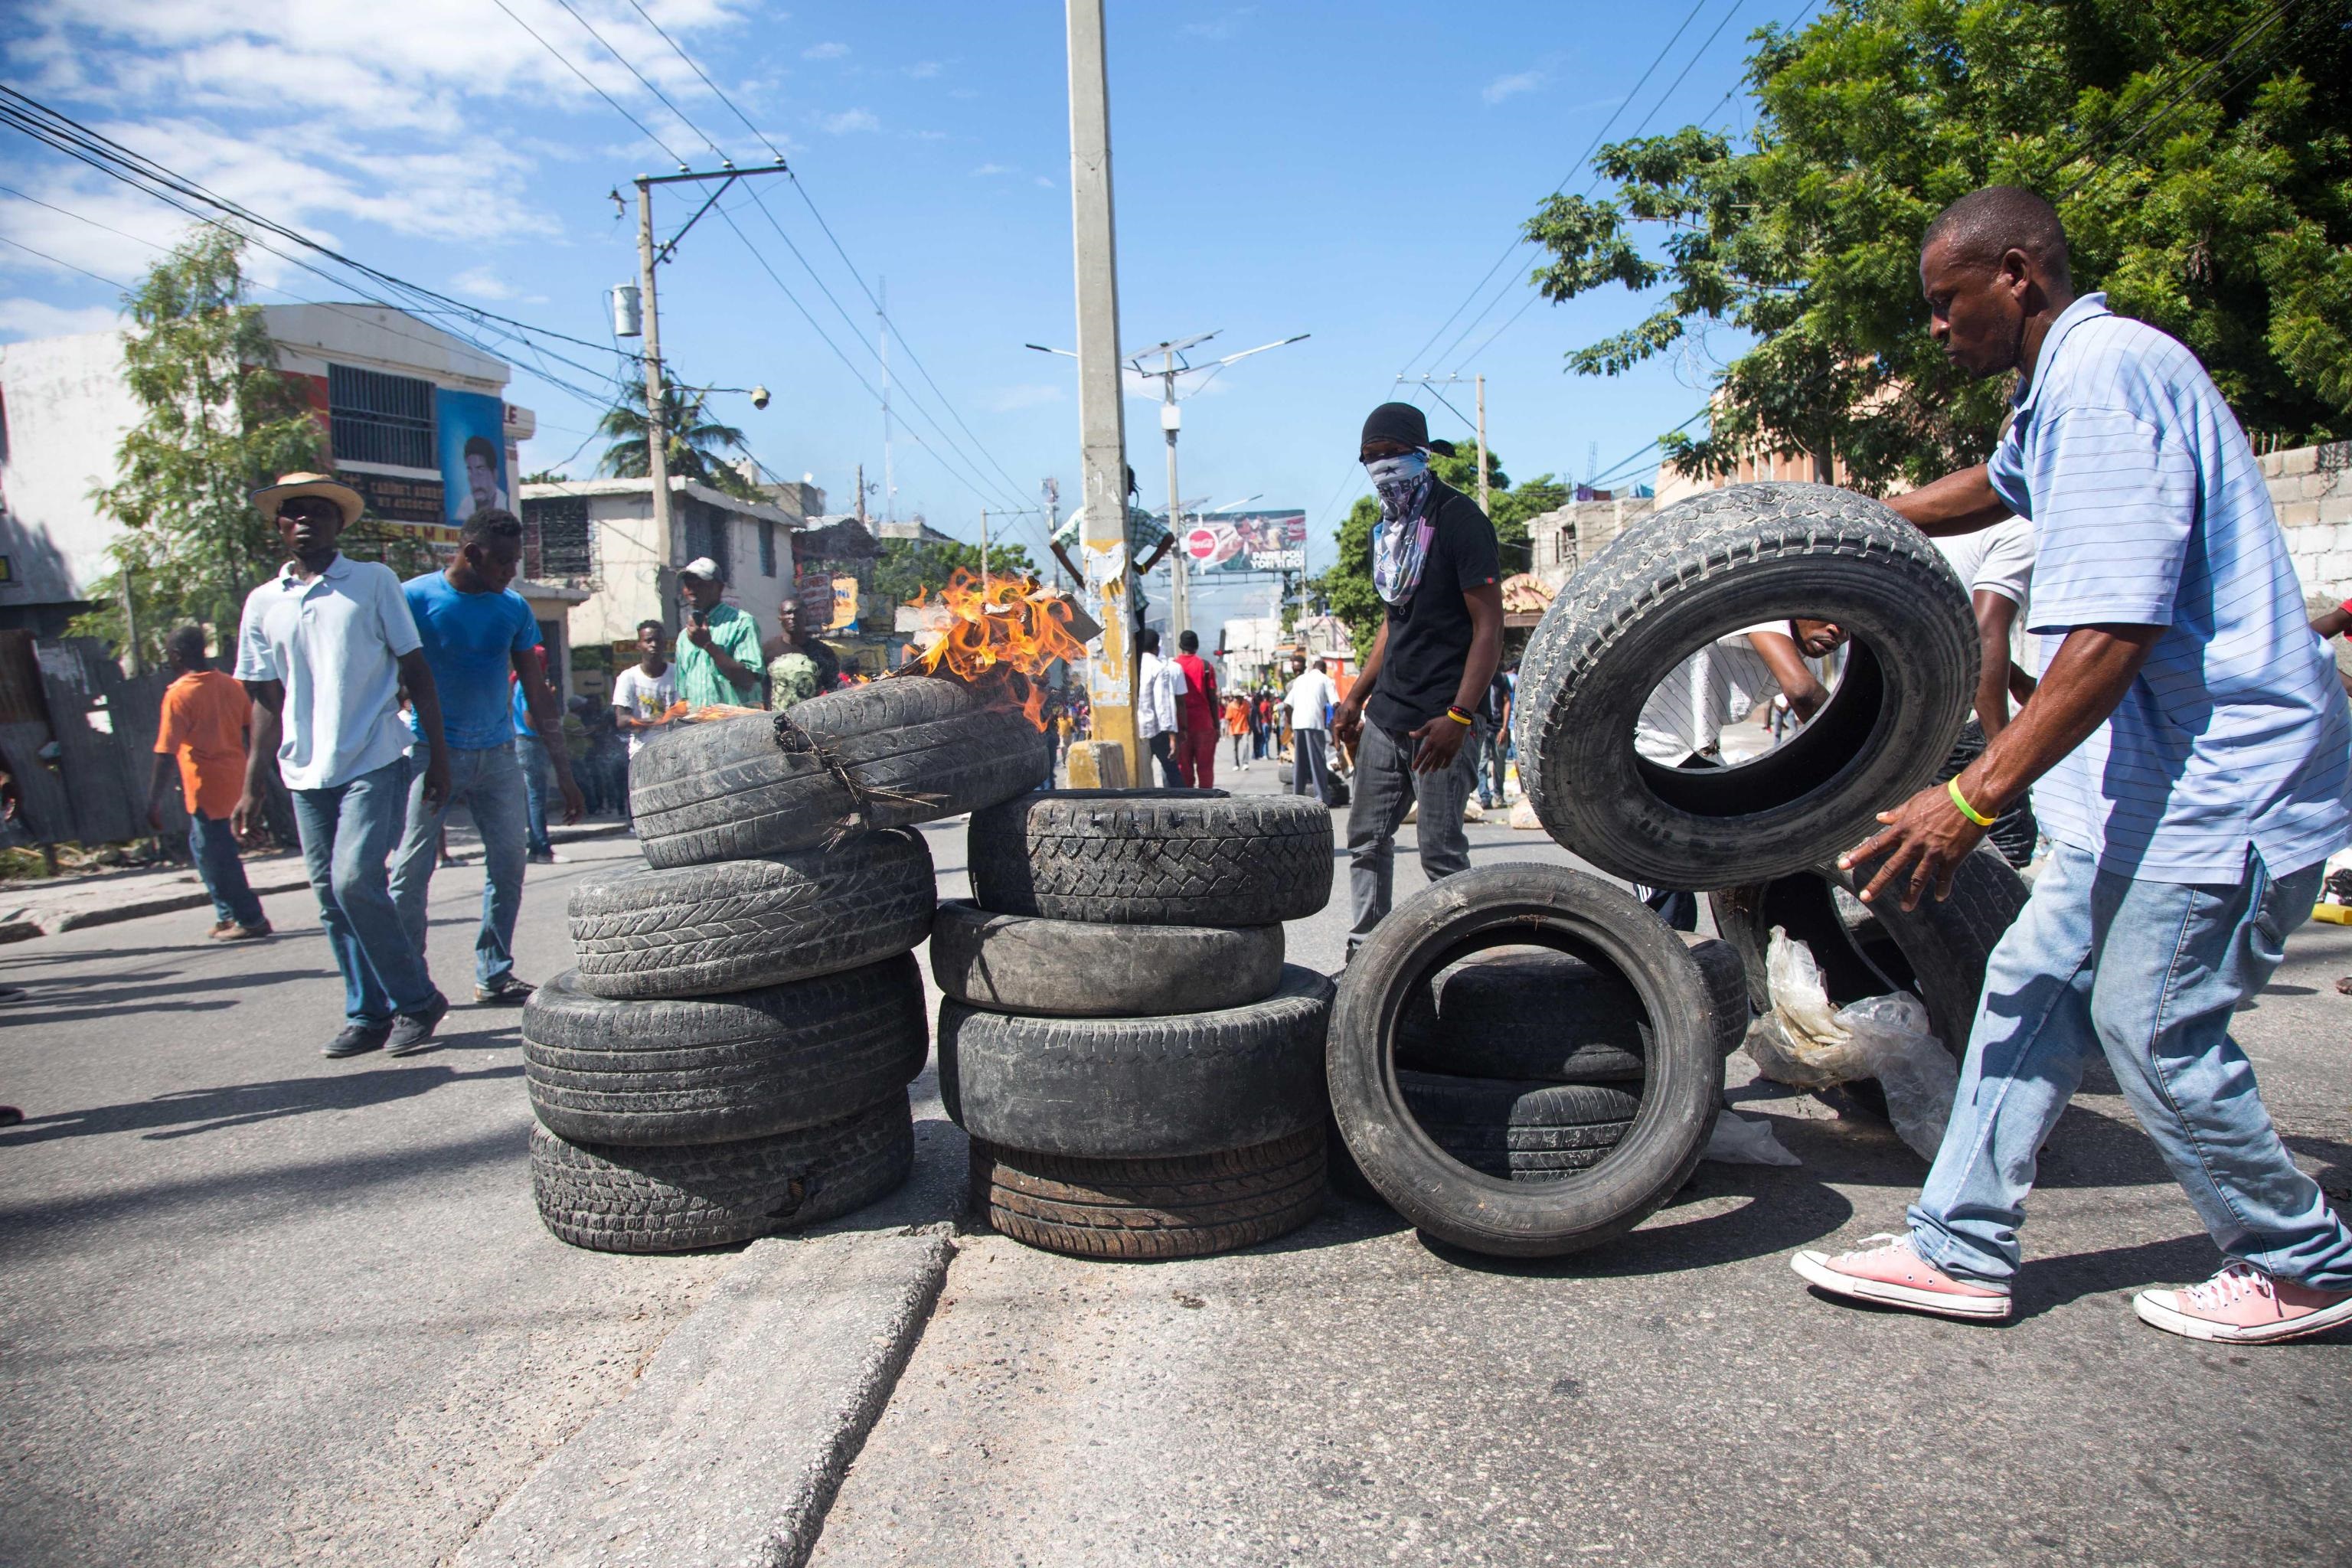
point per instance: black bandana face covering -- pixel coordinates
(1401, 539)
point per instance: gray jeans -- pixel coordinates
(1385, 786)
(1310, 764)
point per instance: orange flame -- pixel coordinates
(999, 638)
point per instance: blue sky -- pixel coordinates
(1348, 172)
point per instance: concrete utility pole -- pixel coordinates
(1102, 422)
(657, 411)
(1052, 490)
(983, 555)
(861, 496)
(1482, 447)
(1172, 419)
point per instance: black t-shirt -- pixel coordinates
(1429, 634)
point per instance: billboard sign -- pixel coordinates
(473, 451)
(1248, 541)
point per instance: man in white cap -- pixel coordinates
(324, 649)
(718, 660)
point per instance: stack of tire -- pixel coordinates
(729, 1056)
(1140, 1073)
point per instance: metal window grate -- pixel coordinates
(557, 541)
(378, 418)
(767, 548)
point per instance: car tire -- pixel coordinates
(1593, 920)
(891, 753)
(1087, 969)
(614, 1199)
(712, 1069)
(1181, 1206)
(1694, 573)
(1192, 1083)
(1153, 857)
(1520, 1130)
(697, 930)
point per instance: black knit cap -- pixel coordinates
(1403, 424)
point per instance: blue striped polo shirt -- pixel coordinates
(2148, 509)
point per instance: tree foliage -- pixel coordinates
(694, 446)
(908, 567)
(2197, 152)
(1346, 588)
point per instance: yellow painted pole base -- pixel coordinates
(1097, 764)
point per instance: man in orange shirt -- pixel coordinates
(205, 715)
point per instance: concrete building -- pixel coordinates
(415, 418)
(598, 537)
(1559, 541)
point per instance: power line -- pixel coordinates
(676, 48)
(642, 130)
(66, 265)
(630, 65)
(2244, 38)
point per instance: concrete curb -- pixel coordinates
(736, 1436)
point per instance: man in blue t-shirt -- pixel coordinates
(476, 630)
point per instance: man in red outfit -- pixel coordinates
(1196, 748)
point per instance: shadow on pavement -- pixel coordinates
(188, 1112)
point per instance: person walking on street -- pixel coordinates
(324, 649)
(1309, 702)
(1436, 566)
(206, 716)
(1196, 754)
(1493, 736)
(1237, 726)
(2188, 747)
(534, 755)
(477, 632)
(718, 661)
(1159, 706)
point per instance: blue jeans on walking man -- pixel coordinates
(212, 843)
(348, 832)
(490, 784)
(532, 757)
(2146, 973)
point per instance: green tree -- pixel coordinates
(2198, 152)
(909, 566)
(695, 441)
(217, 422)
(1347, 587)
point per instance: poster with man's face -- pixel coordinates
(473, 451)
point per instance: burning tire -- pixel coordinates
(1184, 1206)
(897, 752)
(1084, 969)
(1139, 1088)
(740, 1066)
(1153, 857)
(1701, 569)
(699, 930)
(677, 1199)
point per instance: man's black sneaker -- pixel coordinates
(357, 1039)
(506, 991)
(413, 1031)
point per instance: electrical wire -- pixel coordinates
(2182, 99)
(676, 48)
(66, 265)
(642, 130)
(630, 65)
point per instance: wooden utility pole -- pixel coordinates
(1482, 446)
(1102, 421)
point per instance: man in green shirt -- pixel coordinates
(805, 668)
(718, 659)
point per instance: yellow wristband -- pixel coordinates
(1456, 714)
(1952, 788)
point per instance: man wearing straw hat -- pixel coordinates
(324, 649)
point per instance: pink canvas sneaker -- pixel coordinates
(1888, 1272)
(2243, 1306)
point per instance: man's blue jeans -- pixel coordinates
(490, 784)
(532, 757)
(212, 843)
(2148, 972)
(347, 833)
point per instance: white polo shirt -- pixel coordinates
(334, 643)
(2000, 560)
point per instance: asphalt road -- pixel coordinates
(261, 1307)
(265, 1308)
(1351, 1394)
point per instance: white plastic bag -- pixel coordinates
(1806, 1042)
(1746, 1141)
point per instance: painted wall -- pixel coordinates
(66, 410)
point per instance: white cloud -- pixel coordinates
(21, 319)
(923, 70)
(1511, 86)
(847, 120)
(824, 51)
(1008, 399)
(1047, 182)
(985, 170)
(1220, 31)
(484, 283)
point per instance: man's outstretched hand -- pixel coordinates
(1926, 837)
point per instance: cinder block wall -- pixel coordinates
(2312, 488)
